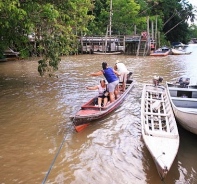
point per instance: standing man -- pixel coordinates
(122, 70)
(112, 79)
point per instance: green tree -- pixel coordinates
(174, 15)
(124, 16)
(193, 31)
(12, 24)
(55, 24)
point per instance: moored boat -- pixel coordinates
(89, 112)
(163, 51)
(159, 128)
(184, 103)
(180, 51)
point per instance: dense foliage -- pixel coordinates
(56, 24)
(193, 31)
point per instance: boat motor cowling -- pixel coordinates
(184, 81)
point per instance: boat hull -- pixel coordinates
(184, 107)
(163, 154)
(163, 51)
(187, 120)
(180, 52)
(160, 53)
(88, 115)
(159, 129)
(89, 112)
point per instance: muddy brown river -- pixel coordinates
(35, 124)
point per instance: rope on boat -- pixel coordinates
(50, 168)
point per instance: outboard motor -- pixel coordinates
(129, 75)
(129, 80)
(157, 80)
(184, 82)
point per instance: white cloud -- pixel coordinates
(193, 2)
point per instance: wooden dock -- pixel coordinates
(130, 45)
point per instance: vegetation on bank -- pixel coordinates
(57, 24)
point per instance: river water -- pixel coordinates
(34, 125)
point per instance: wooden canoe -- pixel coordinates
(163, 51)
(89, 112)
(159, 128)
(184, 103)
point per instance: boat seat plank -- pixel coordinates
(194, 110)
(156, 114)
(184, 99)
(154, 92)
(160, 133)
(181, 89)
(150, 99)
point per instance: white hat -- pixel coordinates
(156, 77)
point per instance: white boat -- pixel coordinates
(184, 103)
(159, 128)
(180, 51)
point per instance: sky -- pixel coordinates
(194, 3)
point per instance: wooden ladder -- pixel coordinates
(142, 48)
